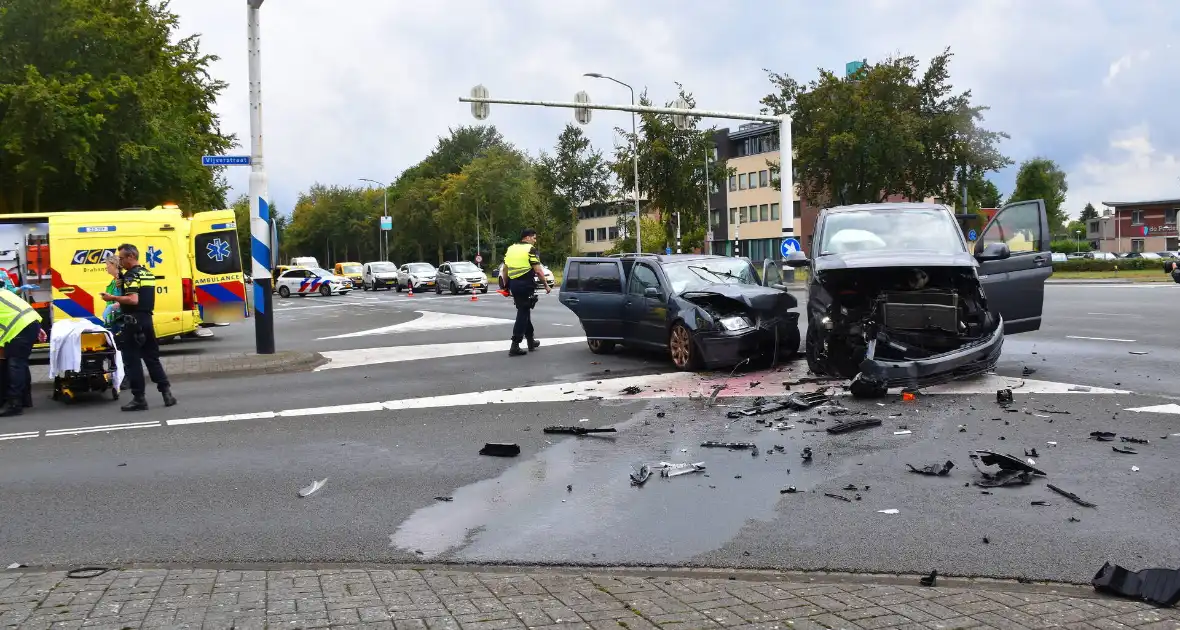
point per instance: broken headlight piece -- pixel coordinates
(736, 323)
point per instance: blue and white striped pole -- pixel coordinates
(260, 226)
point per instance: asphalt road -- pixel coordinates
(215, 479)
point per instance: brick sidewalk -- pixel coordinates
(221, 365)
(461, 600)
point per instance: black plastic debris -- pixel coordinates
(850, 486)
(1134, 440)
(577, 430)
(1074, 519)
(1160, 587)
(803, 401)
(500, 449)
(1027, 371)
(1004, 396)
(788, 490)
(1102, 436)
(838, 496)
(1071, 496)
(1039, 503)
(631, 391)
(569, 487)
(1004, 470)
(853, 425)
(730, 445)
(1031, 452)
(934, 470)
(641, 475)
(1124, 450)
(807, 453)
(986, 541)
(929, 580)
(660, 414)
(444, 499)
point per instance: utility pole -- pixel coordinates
(382, 233)
(260, 219)
(634, 161)
(708, 191)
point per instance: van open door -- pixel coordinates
(217, 286)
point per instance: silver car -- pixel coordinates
(418, 275)
(460, 276)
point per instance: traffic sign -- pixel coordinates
(679, 120)
(789, 246)
(582, 114)
(478, 259)
(386, 223)
(971, 235)
(668, 251)
(480, 110)
(225, 160)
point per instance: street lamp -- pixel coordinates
(260, 219)
(634, 159)
(385, 213)
(1079, 233)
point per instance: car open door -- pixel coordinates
(772, 275)
(220, 291)
(593, 289)
(1014, 262)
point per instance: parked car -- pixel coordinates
(1143, 255)
(378, 274)
(896, 300)
(460, 276)
(311, 281)
(416, 275)
(705, 311)
(1100, 256)
(1060, 258)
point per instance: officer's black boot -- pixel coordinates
(533, 344)
(139, 403)
(169, 399)
(12, 410)
(516, 350)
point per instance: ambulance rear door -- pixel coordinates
(217, 267)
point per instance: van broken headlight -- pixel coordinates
(736, 323)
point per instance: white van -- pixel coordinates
(305, 261)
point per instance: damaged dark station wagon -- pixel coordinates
(896, 300)
(705, 311)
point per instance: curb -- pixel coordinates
(281, 363)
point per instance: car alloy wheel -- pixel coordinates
(681, 348)
(284, 292)
(325, 290)
(600, 346)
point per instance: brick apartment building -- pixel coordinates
(1135, 226)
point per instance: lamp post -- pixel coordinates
(385, 213)
(634, 159)
(260, 223)
(1079, 233)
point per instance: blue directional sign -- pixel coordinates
(971, 235)
(668, 250)
(387, 223)
(225, 160)
(789, 246)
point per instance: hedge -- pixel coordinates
(1069, 247)
(1124, 264)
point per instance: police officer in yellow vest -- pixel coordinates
(20, 327)
(138, 342)
(521, 266)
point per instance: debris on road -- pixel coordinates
(500, 449)
(713, 397)
(1071, 496)
(17, 565)
(1160, 587)
(640, 476)
(802, 402)
(631, 390)
(1134, 469)
(889, 511)
(1033, 452)
(1079, 388)
(1039, 503)
(1124, 450)
(1007, 471)
(838, 496)
(807, 453)
(788, 490)
(577, 430)
(1102, 436)
(675, 470)
(1004, 396)
(929, 580)
(315, 485)
(1134, 440)
(853, 425)
(934, 470)
(902, 432)
(731, 445)
(444, 499)
(1138, 352)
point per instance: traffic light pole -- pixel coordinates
(481, 104)
(260, 219)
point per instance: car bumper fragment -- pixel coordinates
(722, 348)
(976, 358)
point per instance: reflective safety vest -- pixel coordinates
(519, 260)
(15, 316)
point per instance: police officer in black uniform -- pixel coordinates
(138, 338)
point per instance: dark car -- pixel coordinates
(705, 311)
(896, 300)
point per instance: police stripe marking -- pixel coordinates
(218, 293)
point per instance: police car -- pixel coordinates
(312, 281)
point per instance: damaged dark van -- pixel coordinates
(897, 299)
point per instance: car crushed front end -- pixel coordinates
(900, 320)
(732, 324)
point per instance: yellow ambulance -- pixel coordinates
(56, 261)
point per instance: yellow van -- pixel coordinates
(350, 270)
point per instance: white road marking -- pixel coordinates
(1100, 339)
(396, 354)
(1169, 408)
(101, 429)
(19, 436)
(1116, 315)
(428, 322)
(260, 415)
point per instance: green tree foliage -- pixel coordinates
(1041, 178)
(981, 193)
(654, 238)
(102, 107)
(334, 224)
(574, 175)
(889, 129)
(671, 172)
(1089, 212)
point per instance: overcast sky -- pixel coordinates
(363, 88)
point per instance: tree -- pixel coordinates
(671, 170)
(103, 105)
(574, 175)
(1089, 212)
(884, 131)
(654, 239)
(981, 193)
(1041, 178)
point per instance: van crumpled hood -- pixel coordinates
(756, 298)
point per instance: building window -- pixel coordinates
(590, 236)
(733, 216)
(763, 179)
(1170, 216)
(751, 178)
(1093, 226)
(601, 234)
(1136, 244)
(764, 210)
(732, 183)
(774, 216)
(1136, 217)
(741, 181)
(742, 215)
(716, 217)
(612, 233)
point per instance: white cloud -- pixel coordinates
(1132, 169)
(1124, 63)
